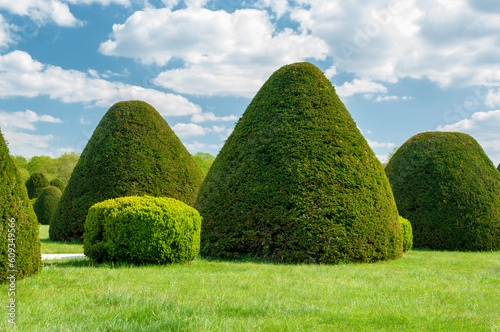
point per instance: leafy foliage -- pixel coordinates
(142, 230)
(407, 233)
(446, 185)
(45, 205)
(297, 182)
(204, 160)
(132, 152)
(60, 168)
(56, 182)
(36, 183)
(15, 205)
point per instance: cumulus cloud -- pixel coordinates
(24, 120)
(375, 144)
(483, 126)
(209, 116)
(357, 86)
(452, 43)
(42, 11)
(185, 130)
(22, 76)
(28, 145)
(493, 98)
(5, 32)
(223, 53)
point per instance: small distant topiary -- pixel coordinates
(446, 185)
(132, 152)
(406, 233)
(145, 229)
(297, 182)
(36, 183)
(58, 183)
(45, 205)
(19, 239)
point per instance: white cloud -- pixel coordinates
(24, 77)
(5, 32)
(125, 3)
(42, 11)
(331, 72)
(493, 98)
(223, 53)
(375, 144)
(452, 43)
(391, 98)
(197, 146)
(24, 120)
(83, 121)
(28, 145)
(364, 85)
(209, 116)
(184, 130)
(483, 126)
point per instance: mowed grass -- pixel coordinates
(423, 291)
(55, 247)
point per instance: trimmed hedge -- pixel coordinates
(15, 205)
(58, 183)
(446, 185)
(407, 233)
(35, 184)
(141, 230)
(132, 152)
(45, 205)
(297, 182)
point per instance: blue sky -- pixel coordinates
(399, 67)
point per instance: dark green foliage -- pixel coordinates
(143, 229)
(36, 183)
(406, 233)
(297, 182)
(58, 184)
(45, 205)
(498, 167)
(15, 205)
(446, 185)
(132, 152)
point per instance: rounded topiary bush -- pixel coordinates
(58, 183)
(35, 184)
(407, 233)
(132, 152)
(18, 219)
(446, 185)
(45, 205)
(142, 230)
(297, 182)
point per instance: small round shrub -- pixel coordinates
(36, 183)
(45, 205)
(144, 229)
(407, 233)
(15, 205)
(58, 183)
(450, 190)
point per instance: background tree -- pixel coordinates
(204, 160)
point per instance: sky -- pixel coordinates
(400, 67)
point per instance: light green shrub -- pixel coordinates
(141, 230)
(406, 233)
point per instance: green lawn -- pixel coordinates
(423, 291)
(54, 247)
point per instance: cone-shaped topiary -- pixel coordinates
(407, 234)
(46, 203)
(35, 184)
(19, 239)
(132, 152)
(446, 185)
(297, 182)
(58, 183)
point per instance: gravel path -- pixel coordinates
(62, 256)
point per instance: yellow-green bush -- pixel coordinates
(142, 230)
(406, 233)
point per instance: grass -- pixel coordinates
(55, 247)
(423, 291)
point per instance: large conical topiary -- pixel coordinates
(297, 182)
(46, 204)
(444, 183)
(132, 152)
(35, 184)
(17, 219)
